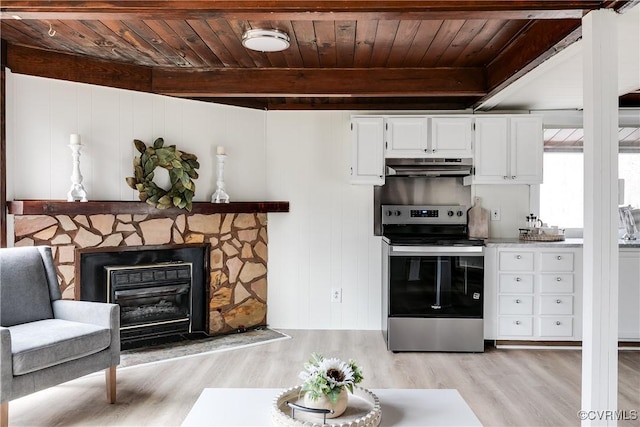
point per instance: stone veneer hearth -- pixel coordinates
(238, 256)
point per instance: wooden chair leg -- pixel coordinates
(110, 374)
(4, 414)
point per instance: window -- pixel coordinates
(629, 170)
(561, 195)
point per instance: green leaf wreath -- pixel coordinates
(182, 171)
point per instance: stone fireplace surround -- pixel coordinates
(237, 280)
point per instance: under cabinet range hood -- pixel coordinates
(429, 167)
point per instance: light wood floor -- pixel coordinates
(503, 387)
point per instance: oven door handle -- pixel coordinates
(436, 250)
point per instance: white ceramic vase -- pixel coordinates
(323, 402)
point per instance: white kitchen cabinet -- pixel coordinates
(508, 150)
(407, 136)
(527, 143)
(629, 295)
(515, 302)
(538, 294)
(451, 137)
(428, 136)
(367, 150)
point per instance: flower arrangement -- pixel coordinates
(329, 377)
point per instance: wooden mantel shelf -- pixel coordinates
(61, 207)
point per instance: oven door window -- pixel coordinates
(436, 286)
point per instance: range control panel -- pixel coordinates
(412, 214)
(425, 213)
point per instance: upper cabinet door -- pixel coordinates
(451, 136)
(491, 150)
(407, 136)
(527, 145)
(367, 150)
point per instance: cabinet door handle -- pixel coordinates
(559, 257)
(518, 322)
(558, 301)
(518, 301)
(513, 177)
(558, 279)
(518, 279)
(351, 171)
(518, 256)
(505, 177)
(558, 323)
(426, 150)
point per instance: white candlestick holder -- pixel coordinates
(220, 196)
(77, 191)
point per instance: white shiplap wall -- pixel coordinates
(46, 112)
(326, 241)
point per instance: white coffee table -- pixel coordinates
(400, 407)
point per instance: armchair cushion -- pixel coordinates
(41, 344)
(24, 298)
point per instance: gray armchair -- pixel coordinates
(44, 340)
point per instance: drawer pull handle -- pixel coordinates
(558, 323)
(558, 301)
(518, 256)
(518, 301)
(518, 279)
(559, 257)
(517, 322)
(558, 279)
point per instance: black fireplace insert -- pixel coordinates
(162, 291)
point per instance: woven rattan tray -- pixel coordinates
(542, 237)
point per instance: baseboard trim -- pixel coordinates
(556, 345)
(539, 343)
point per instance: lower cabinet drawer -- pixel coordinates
(515, 283)
(556, 283)
(556, 327)
(562, 261)
(515, 304)
(556, 304)
(515, 326)
(515, 261)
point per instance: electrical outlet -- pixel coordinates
(495, 214)
(336, 295)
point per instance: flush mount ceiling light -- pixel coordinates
(265, 40)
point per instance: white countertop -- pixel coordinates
(567, 243)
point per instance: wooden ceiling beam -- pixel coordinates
(42, 63)
(292, 10)
(254, 88)
(311, 82)
(344, 103)
(621, 6)
(539, 40)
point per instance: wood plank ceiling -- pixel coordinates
(344, 54)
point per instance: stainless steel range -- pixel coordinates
(433, 279)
